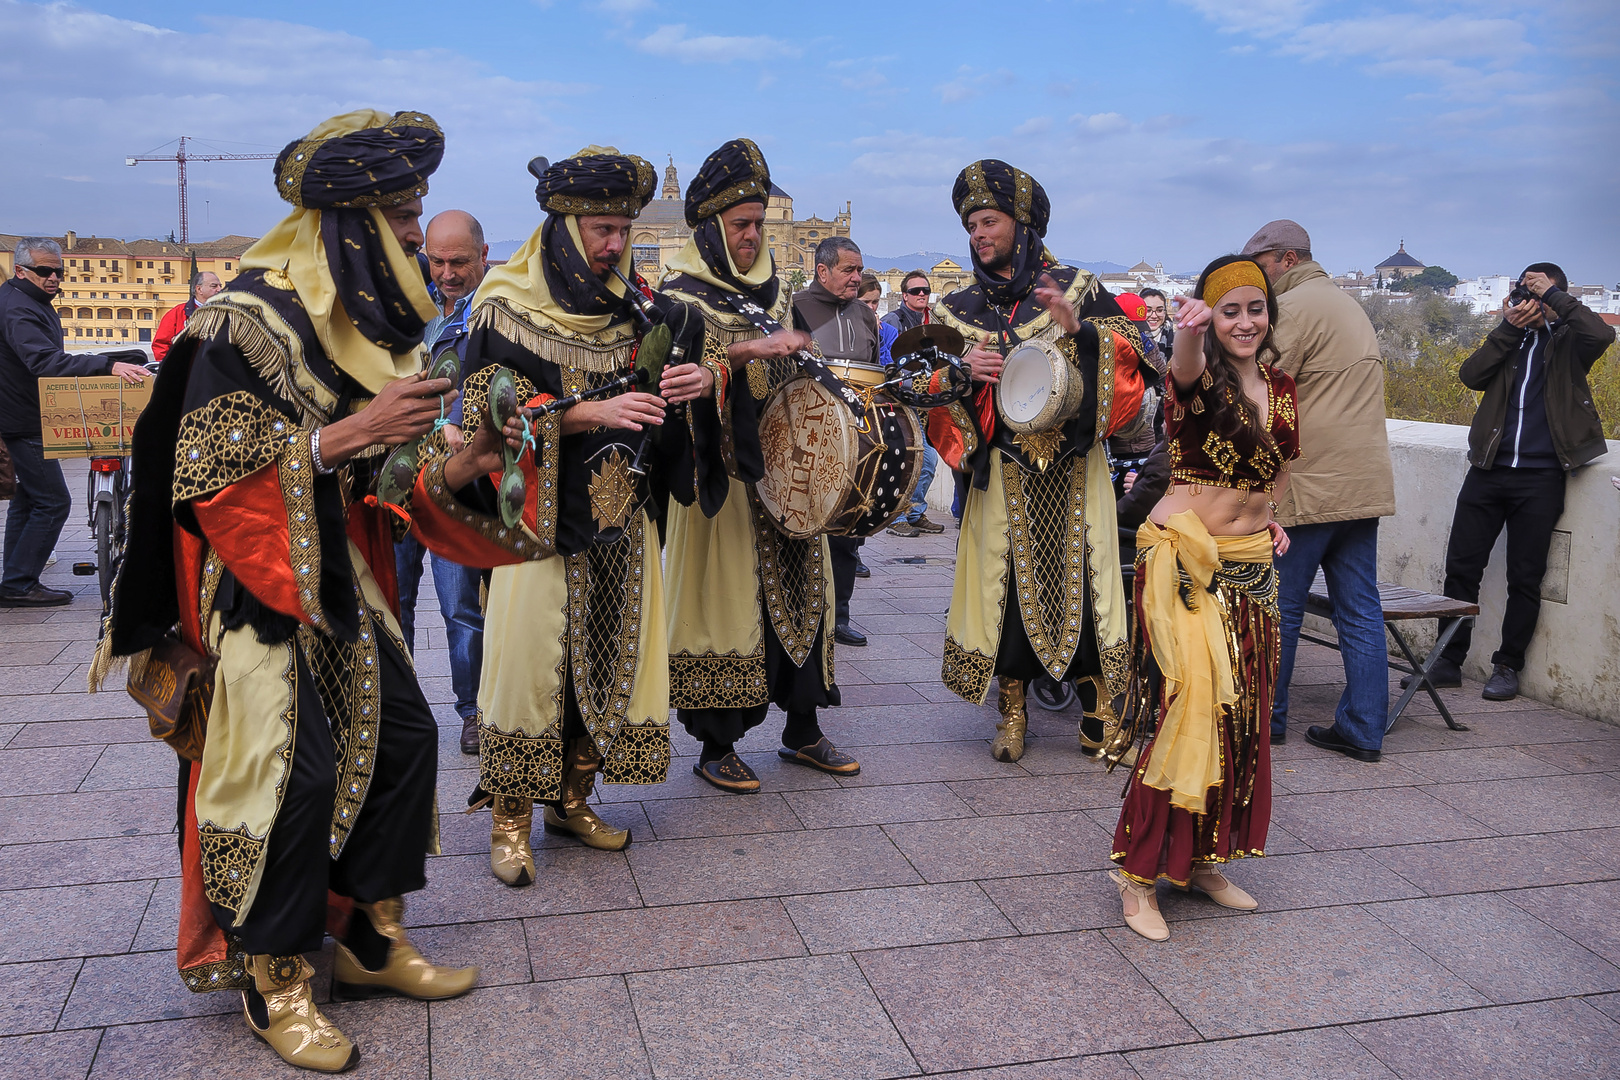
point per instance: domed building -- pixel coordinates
(1399, 265)
(660, 231)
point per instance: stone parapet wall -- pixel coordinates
(1574, 660)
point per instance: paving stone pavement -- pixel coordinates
(1447, 912)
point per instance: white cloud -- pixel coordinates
(674, 42)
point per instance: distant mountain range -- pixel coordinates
(926, 259)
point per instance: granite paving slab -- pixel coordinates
(1585, 913)
(1095, 1067)
(1265, 972)
(160, 926)
(1326, 771)
(1475, 763)
(1051, 903)
(1594, 755)
(743, 867)
(809, 1018)
(1579, 801)
(1372, 818)
(650, 939)
(584, 1029)
(1318, 879)
(877, 805)
(1568, 1039)
(891, 918)
(1497, 948)
(993, 847)
(150, 764)
(573, 878)
(37, 818)
(1504, 862)
(924, 762)
(1320, 1054)
(75, 920)
(115, 858)
(972, 1004)
(35, 995)
(63, 1055)
(48, 770)
(1039, 794)
(137, 987)
(498, 949)
(760, 812)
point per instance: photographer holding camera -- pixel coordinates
(1534, 424)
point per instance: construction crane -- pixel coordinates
(180, 157)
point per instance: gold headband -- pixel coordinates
(1233, 275)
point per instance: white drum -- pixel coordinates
(1039, 389)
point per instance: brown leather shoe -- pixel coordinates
(469, 735)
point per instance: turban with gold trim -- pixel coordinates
(732, 174)
(374, 166)
(995, 185)
(596, 180)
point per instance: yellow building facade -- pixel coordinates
(114, 292)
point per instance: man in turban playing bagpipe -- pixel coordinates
(750, 609)
(1038, 588)
(254, 539)
(574, 683)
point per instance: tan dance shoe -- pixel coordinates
(576, 818)
(281, 1011)
(406, 971)
(1213, 884)
(1145, 920)
(510, 856)
(1008, 744)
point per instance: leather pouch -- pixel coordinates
(176, 688)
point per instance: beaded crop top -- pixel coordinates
(1200, 456)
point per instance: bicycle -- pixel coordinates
(107, 491)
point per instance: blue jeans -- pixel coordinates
(457, 587)
(1347, 552)
(919, 498)
(39, 509)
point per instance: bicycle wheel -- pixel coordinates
(105, 555)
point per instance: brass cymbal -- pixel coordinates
(940, 336)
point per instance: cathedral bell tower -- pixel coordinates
(672, 186)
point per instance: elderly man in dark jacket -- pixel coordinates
(1534, 424)
(31, 349)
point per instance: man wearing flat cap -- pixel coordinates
(1038, 588)
(750, 610)
(252, 542)
(1338, 488)
(574, 683)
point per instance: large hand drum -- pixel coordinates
(823, 474)
(1039, 389)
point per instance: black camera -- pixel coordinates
(1519, 295)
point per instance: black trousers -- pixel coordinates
(846, 556)
(1527, 502)
(386, 852)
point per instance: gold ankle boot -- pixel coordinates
(576, 817)
(1009, 741)
(405, 971)
(293, 1026)
(510, 856)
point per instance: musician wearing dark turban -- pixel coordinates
(750, 610)
(1038, 588)
(254, 545)
(574, 683)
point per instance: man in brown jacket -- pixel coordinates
(1337, 490)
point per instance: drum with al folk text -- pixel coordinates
(824, 474)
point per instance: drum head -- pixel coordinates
(1026, 383)
(809, 442)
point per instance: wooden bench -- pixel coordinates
(1400, 605)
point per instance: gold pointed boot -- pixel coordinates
(510, 856)
(293, 1026)
(405, 972)
(1008, 744)
(576, 818)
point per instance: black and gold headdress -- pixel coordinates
(732, 174)
(995, 185)
(373, 166)
(596, 180)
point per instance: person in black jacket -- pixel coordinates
(31, 349)
(1534, 424)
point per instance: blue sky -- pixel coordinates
(1482, 133)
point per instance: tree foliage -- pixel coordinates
(1434, 278)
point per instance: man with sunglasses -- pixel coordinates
(31, 349)
(913, 311)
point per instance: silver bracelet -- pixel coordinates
(315, 453)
